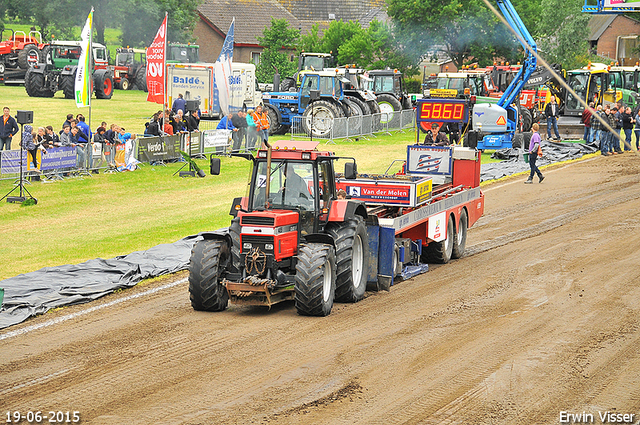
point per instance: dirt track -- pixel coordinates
(541, 316)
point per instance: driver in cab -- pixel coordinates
(295, 188)
(435, 137)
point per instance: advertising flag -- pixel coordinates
(82, 85)
(223, 70)
(156, 64)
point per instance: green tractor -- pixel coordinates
(59, 70)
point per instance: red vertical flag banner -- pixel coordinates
(156, 59)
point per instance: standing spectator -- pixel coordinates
(30, 144)
(153, 129)
(167, 126)
(68, 120)
(605, 136)
(252, 131)
(81, 157)
(112, 134)
(8, 130)
(179, 104)
(193, 121)
(534, 146)
(586, 120)
(260, 117)
(65, 136)
(637, 129)
(99, 139)
(617, 127)
(84, 136)
(595, 125)
(179, 125)
(239, 121)
(551, 111)
(225, 123)
(627, 127)
(51, 139)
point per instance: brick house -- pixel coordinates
(253, 16)
(614, 37)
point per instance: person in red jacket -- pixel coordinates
(586, 120)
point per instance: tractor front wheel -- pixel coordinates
(315, 279)
(208, 259)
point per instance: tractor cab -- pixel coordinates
(293, 180)
(183, 53)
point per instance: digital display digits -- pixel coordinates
(442, 110)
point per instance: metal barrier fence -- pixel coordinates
(352, 127)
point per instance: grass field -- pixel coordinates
(114, 214)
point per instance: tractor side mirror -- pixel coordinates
(314, 94)
(350, 170)
(214, 164)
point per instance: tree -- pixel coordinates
(562, 33)
(464, 29)
(278, 41)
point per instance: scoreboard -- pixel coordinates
(443, 110)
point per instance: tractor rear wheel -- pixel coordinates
(140, 82)
(208, 259)
(33, 82)
(274, 125)
(28, 56)
(390, 108)
(103, 81)
(315, 279)
(67, 84)
(375, 112)
(460, 239)
(318, 118)
(440, 252)
(352, 253)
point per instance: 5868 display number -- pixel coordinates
(54, 417)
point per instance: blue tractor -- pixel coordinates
(319, 101)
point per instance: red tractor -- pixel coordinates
(19, 50)
(130, 70)
(307, 234)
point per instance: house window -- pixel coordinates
(255, 58)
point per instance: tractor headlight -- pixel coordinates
(268, 247)
(246, 245)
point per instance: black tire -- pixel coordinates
(33, 83)
(29, 56)
(323, 114)
(460, 238)
(208, 259)
(315, 279)
(517, 141)
(360, 104)
(274, 125)
(389, 105)
(526, 119)
(357, 110)
(288, 84)
(3, 67)
(406, 103)
(67, 84)
(234, 231)
(45, 55)
(103, 83)
(440, 252)
(141, 79)
(375, 111)
(125, 84)
(352, 252)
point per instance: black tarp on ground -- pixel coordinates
(35, 293)
(514, 163)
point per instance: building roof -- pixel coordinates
(252, 17)
(329, 10)
(599, 24)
